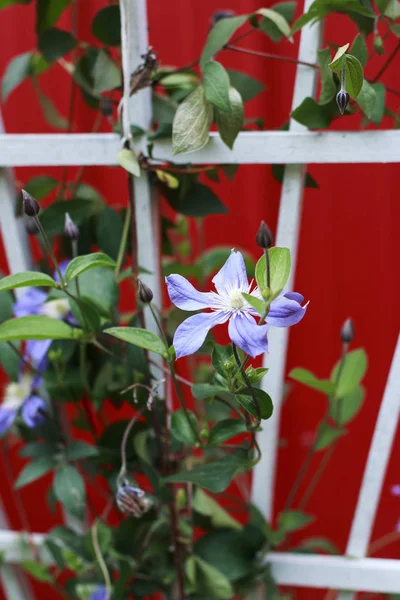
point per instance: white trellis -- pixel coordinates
(295, 148)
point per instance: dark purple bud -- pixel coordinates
(105, 107)
(342, 100)
(144, 292)
(31, 227)
(347, 332)
(70, 229)
(264, 237)
(29, 204)
(221, 14)
(132, 501)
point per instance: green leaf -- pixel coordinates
(310, 380)
(213, 583)
(78, 450)
(292, 520)
(247, 86)
(197, 201)
(354, 75)
(48, 12)
(34, 470)
(127, 159)
(216, 86)
(379, 106)
(346, 408)
(181, 430)
(338, 62)
(54, 43)
(328, 85)
(277, 19)
(287, 11)
(327, 435)
(39, 187)
(82, 263)
(98, 287)
(190, 128)
(278, 172)
(214, 476)
(230, 551)
(256, 303)
(230, 123)
(69, 488)
(106, 74)
(37, 570)
(139, 337)
(367, 98)
(280, 263)
(106, 25)
(79, 209)
(37, 327)
(50, 111)
(26, 279)
(315, 545)
(109, 231)
(224, 430)
(201, 391)
(359, 49)
(264, 400)
(219, 35)
(354, 369)
(208, 507)
(17, 70)
(9, 360)
(312, 115)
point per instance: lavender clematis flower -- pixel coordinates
(228, 304)
(99, 594)
(21, 396)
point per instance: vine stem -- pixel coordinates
(248, 383)
(100, 560)
(389, 60)
(270, 56)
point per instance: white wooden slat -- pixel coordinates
(287, 236)
(264, 147)
(367, 574)
(375, 468)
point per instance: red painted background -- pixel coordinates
(348, 255)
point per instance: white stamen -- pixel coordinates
(16, 393)
(236, 300)
(56, 309)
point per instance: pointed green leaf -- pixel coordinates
(213, 583)
(180, 428)
(127, 159)
(106, 74)
(230, 123)
(39, 187)
(292, 520)
(247, 87)
(345, 409)
(54, 43)
(337, 64)
(328, 85)
(48, 13)
(366, 99)
(256, 303)
(354, 369)
(226, 429)
(216, 86)
(279, 269)
(139, 337)
(69, 488)
(106, 25)
(78, 450)
(264, 401)
(287, 10)
(206, 506)
(354, 75)
(312, 115)
(37, 570)
(278, 20)
(327, 436)
(359, 49)
(37, 327)
(34, 470)
(26, 279)
(190, 128)
(315, 545)
(201, 391)
(214, 476)
(310, 380)
(82, 263)
(219, 35)
(17, 70)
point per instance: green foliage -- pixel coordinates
(279, 271)
(34, 470)
(292, 520)
(216, 86)
(26, 279)
(310, 380)
(128, 160)
(54, 43)
(219, 35)
(181, 430)
(139, 337)
(214, 476)
(17, 70)
(191, 123)
(247, 86)
(230, 123)
(80, 264)
(106, 25)
(37, 327)
(69, 488)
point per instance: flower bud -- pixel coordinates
(221, 14)
(70, 229)
(144, 292)
(378, 45)
(31, 227)
(132, 501)
(264, 237)
(342, 100)
(105, 107)
(347, 332)
(29, 204)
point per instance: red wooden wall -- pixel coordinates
(348, 256)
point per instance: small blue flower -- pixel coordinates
(228, 304)
(20, 396)
(132, 501)
(100, 594)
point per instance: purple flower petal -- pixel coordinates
(191, 333)
(247, 335)
(29, 303)
(294, 296)
(185, 296)
(7, 416)
(32, 411)
(286, 311)
(232, 274)
(99, 594)
(63, 267)
(36, 353)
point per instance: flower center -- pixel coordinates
(57, 309)
(16, 393)
(237, 300)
